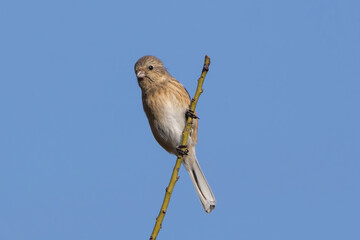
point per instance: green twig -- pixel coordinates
(185, 135)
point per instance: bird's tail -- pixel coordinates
(201, 185)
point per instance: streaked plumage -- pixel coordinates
(165, 103)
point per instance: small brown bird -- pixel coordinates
(165, 103)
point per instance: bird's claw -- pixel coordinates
(182, 150)
(191, 114)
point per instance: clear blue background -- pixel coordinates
(279, 135)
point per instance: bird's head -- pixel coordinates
(150, 71)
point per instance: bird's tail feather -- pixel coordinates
(201, 185)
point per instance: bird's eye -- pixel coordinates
(151, 67)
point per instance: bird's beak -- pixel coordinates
(140, 74)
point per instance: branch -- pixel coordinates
(185, 135)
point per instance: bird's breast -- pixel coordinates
(166, 118)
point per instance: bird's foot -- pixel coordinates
(182, 150)
(191, 114)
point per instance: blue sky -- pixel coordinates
(279, 134)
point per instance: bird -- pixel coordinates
(166, 103)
